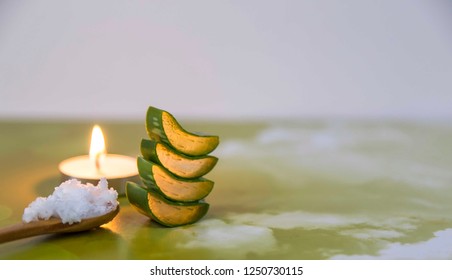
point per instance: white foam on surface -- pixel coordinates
(295, 219)
(347, 153)
(438, 247)
(236, 240)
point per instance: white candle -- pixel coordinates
(117, 169)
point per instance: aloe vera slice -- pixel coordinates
(162, 126)
(172, 187)
(163, 211)
(180, 165)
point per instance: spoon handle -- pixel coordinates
(53, 225)
(24, 230)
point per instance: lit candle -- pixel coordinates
(118, 169)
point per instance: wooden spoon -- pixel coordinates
(53, 225)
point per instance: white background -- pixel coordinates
(111, 59)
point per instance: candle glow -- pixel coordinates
(117, 169)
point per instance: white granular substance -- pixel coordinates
(73, 201)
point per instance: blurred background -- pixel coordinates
(111, 59)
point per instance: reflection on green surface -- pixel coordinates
(5, 212)
(44, 251)
(283, 190)
(95, 244)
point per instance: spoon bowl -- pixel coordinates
(53, 225)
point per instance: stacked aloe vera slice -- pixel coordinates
(172, 164)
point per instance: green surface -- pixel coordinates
(283, 190)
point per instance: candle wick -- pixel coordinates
(97, 162)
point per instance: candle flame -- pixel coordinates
(97, 149)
